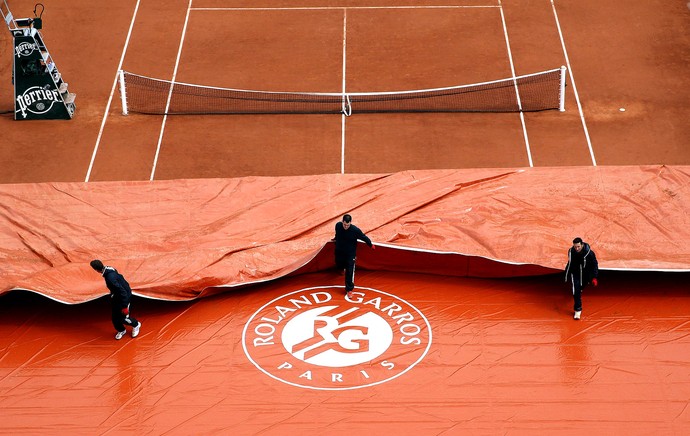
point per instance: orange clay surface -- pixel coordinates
(460, 323)
(505, 356)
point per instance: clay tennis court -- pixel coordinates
(222, 223)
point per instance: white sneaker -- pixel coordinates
(119, 335)
(135, 330)
(577, 314)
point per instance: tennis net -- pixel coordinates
(532, 92)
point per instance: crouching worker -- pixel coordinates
(120, 296)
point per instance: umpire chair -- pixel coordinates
(40, 91)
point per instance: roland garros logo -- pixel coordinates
(317, 338)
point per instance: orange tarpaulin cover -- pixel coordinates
(181, 239)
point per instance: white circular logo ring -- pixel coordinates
(317, 338)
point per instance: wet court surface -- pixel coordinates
(407, 353)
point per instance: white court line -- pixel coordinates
(112, 92)
(572, 82)
(172, 85)
(343, 116)
(517, 93)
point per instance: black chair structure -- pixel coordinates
(40, 91)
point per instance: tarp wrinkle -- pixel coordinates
(181, 239)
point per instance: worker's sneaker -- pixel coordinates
(577, 314)
(119, 335)
(135, 330)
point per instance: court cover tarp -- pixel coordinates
(182, 239)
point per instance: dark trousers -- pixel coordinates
(577, 292)
(120, 320)
(347, 264)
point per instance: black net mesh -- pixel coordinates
(537, 92)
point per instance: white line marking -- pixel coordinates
(172, 85)
(343, 116)
(112, 92)
(572, 82)
(517, 92)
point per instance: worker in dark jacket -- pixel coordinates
(582, 269)
(120, 296)
(346, 237)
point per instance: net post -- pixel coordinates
(561, 96)
(123, 92)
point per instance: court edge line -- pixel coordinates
(517, 92)
(343, 116)
(172, 85)
(112, 92)
(572, 82)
